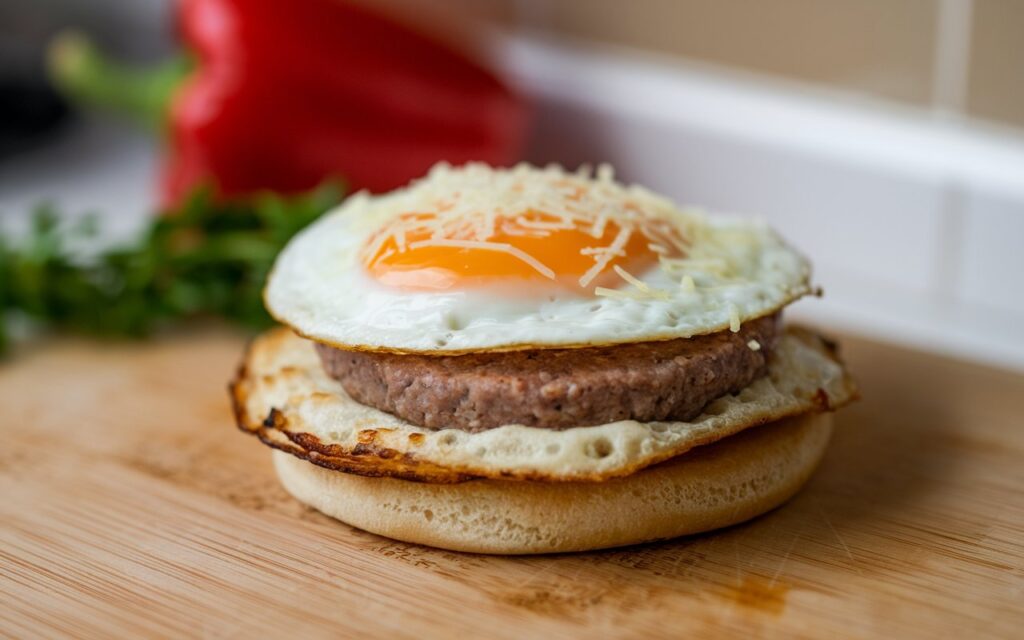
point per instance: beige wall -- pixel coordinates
(890, 49)
(883, 47)
(996, 81)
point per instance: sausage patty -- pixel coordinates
(557, 388)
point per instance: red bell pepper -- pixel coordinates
(287, 94)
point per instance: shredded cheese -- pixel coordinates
(734, 318)
(717, 266)
(541, 268)
(754, 345)
(593, 251)
(631, 279)
(619, 294)
(604, 258)
(640, 285)
(400, 239)
(471, 204)
(373, 248)
(538, 224)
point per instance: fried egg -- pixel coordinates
(481, 259)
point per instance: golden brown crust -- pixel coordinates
(365, 459)
(374, 453)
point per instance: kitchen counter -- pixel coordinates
(132, 507)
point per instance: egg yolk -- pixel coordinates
(535, 248)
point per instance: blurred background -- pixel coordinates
(883, 137)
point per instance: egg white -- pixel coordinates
(320, 288)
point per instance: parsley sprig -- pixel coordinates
(206, 258)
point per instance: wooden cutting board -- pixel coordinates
(131, 507)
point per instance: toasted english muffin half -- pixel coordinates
(707, 488)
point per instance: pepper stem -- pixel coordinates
(86, 76)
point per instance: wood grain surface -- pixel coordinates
(131, 507)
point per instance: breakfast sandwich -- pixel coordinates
(530, 360)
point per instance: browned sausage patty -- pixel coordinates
(556, 388)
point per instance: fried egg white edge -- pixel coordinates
(319, 288)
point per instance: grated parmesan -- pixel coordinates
(640, 285)
(471, 204)
(734, 318)
(501, 247)
(602, 260)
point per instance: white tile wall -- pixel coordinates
(992, 254)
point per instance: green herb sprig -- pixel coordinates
(207, 257)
